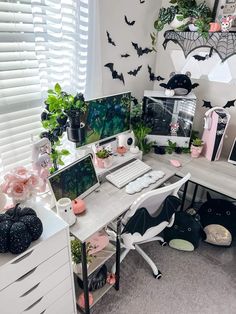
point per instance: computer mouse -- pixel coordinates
(176, 163)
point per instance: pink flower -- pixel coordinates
(18, 190)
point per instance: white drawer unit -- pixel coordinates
(40, 279)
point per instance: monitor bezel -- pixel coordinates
(87, 192)
(229, 158)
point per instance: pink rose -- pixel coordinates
(21, 174)
(18, 190)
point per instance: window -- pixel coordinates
(41, 42)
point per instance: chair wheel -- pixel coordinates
(162, 243)
(158, 276)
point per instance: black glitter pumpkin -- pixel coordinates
(18, 228)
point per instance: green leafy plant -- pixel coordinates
(201, 17)
(103, 153)
(140, 132)
(197, 142)
(171, 147)
(76, 251)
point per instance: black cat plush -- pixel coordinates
(186, 232)
(218, 218)
(179, 84)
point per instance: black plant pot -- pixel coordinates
(76, 135)
(74, 118)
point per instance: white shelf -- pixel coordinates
(100, 259)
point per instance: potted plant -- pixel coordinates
(141, 131)
(76, 254)
(201, 17)
(196, 147)
(171, 147)
(103, 157)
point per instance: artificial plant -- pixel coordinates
(58, 107)
(76, 251)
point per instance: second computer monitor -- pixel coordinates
(107, 117)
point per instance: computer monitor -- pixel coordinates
(107, 117)
(75, 180)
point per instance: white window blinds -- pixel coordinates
(41, 42)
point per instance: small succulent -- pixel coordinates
(197, 142)
(103, 153)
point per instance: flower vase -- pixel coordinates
(103, 162)
(196, 151)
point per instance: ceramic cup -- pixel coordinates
(64, 210)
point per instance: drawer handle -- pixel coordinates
(32, 305)
(30, 290)
(22, 257)
(27, 274)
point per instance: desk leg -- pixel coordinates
(194, 195)
(184, 196)
(118, 232)
(85, 278)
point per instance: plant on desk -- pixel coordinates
(76, 252)
(196, 147)
(103, 157)
(141, 131)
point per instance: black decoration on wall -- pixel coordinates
(130, 23)
(230, 103)
(152, 76)
(201, 58)
(126, 55)
(140, 51)
(115, 75)
(109, 39)
(135, 71)
(142, 1)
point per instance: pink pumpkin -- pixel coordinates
(78, 206)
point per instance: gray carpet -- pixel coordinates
(200, 282)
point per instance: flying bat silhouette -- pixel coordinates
(201, 58)
(135, 71)
(140, 51)
(230, 103)
(126, 55)
(141, 1)
(130, 23)
(115, 74)
(109, 39)
(152, 76)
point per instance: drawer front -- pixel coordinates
(64, 305)
(34, 277)
(41, 304)
(27, 261)
(38, 291)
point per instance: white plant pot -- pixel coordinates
(175, 24)
(193, 28)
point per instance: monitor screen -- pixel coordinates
(107, 117)
(75, 180)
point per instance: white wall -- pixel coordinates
(112, 20)
(216, 92)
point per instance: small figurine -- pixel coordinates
(226, 22)
(64, 210)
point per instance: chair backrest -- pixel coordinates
(152, 200)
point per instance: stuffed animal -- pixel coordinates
(218, 218)
(185, 233)
(226, 22)
(179, 84)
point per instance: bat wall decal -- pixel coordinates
(115, 74)
(126, 55)
(141, 1)
(135, 71)
(109, 39)
(130, 23)
(140, 51)
(201, 58)
(152, 76)
(207, 104)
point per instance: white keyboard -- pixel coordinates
(128, 173)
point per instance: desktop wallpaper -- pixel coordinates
(75, 180)
(107, 117)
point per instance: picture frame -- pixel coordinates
(225, 8)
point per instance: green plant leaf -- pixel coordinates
(65, 152)
(57, 88)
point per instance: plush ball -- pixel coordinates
(18, 228)
(185, 233)
(179, 84)
(218, 218)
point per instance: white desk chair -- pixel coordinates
(152, 201)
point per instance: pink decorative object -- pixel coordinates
(98, 242)
(78, 206)
(214, 27)
(195, 151)
(21, 183)
(226, 22)
(111, 278)
(81, 301)
(121, 150)
(175, 163)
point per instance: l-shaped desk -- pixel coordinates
(108, 203)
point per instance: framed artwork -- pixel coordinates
(225, 8)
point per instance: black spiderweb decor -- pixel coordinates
(223, 43)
